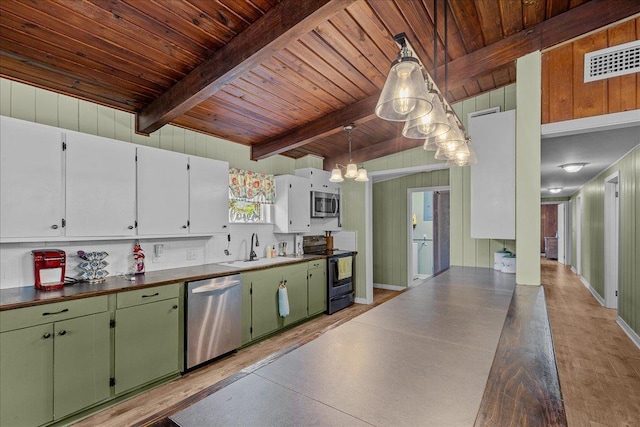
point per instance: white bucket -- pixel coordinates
(509, 264)
(497, 258)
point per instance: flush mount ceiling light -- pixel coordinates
(555, 190)
(352, 170)
(572, 167)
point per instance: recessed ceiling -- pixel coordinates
(598, 149)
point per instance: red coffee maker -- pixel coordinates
(49, 265)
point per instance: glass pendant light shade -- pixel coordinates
(362, 175)
(473, 159)
(430, 144)
(424, 125)
(403, 92)
(336, 175)
(352, 171)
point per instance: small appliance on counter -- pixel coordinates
(49, 268)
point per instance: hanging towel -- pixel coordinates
(283, 300)
(344, 267)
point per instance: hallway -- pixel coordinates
(598, 365)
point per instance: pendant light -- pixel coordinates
(434, 123)
(404, 90)
(352, 170)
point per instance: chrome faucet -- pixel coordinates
(252, 254)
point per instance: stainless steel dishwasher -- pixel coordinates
(213, 318)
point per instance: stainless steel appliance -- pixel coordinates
(213, 318)
(325, 205)
(340, 292)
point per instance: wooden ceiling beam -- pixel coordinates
(328, 124)
(573, 23)
(566, 26)
(280, 26)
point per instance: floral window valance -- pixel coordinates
(249, 186)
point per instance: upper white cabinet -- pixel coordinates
(319, 180)
(493, 179)
(292, 207)
(31, 180)
(100, 186)
(208, 195)
(58, 184)
(163, 192)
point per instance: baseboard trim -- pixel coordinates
(573, 270)
(593, 291)
(635, 338)
(358, 300)
(389, 287)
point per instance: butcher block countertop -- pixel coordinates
(28, 296)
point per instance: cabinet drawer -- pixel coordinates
(319, 263)
(147, 295)
(47, 313)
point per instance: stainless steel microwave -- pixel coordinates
(324, 205)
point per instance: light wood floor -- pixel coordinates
(151, 406)
(598, 365)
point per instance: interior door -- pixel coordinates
(441, 239)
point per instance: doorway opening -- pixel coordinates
(428, 233)
(611, 240)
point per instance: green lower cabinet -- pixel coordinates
(50, 371)
(81, 363)
(263, 298)
(146, 343)
(265, 317)
(296, 283)
(317, 287)
(246, 309)
(26, 376)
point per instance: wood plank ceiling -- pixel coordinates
(281, 76)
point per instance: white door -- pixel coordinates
(208, 195)
(611, 240)
(163, 192)
(101, 186)
(31, 181)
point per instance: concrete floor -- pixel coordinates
(422, 358)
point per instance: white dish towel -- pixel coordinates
(283, 300)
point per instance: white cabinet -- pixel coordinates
(292, 208)
(31, 180)
(100, 186)
(208, 195)
(163, 192)
(319, 180)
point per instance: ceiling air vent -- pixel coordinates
(612, 61)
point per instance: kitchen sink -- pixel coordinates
(260, 262)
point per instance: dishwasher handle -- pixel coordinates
(212, 287)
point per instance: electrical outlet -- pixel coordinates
(192, 254)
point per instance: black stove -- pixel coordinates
(340, 284)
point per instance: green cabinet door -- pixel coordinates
(82, 363)
(246, 309)
(265, 317)
(317, 287)
(26, 376)
(146, 343)
(296, 282)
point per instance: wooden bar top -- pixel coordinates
(28, 296)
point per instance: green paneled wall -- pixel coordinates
(353, 220)
(592, 253)
(390, 224)
(37, 105)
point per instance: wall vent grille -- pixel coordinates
(612, 62)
